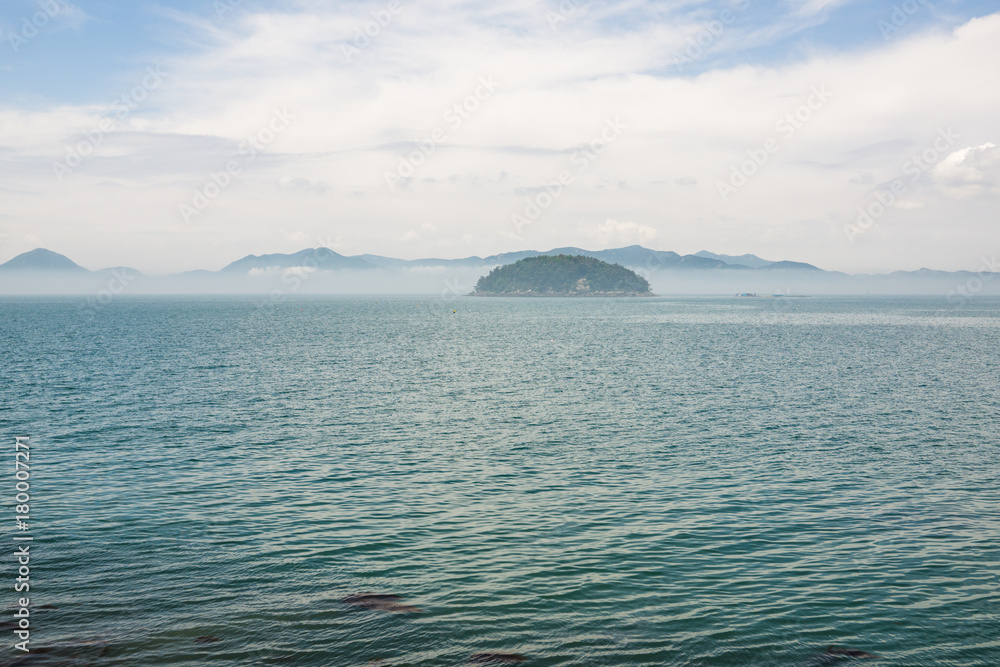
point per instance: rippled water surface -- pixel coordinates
(582, 482)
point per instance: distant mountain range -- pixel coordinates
(325, 259)
(322, 270)
(632, 256)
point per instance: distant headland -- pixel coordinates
(562, 275)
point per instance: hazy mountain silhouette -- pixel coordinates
(753, 261)
(322, 270)
(322, 259)
(41, 259)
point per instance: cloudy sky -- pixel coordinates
(182, 134)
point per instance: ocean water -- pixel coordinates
(660, 481)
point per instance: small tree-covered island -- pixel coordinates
(562, 275)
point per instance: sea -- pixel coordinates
(673, 481)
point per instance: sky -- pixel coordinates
(178, 135)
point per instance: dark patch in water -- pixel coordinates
(206, 639)
(369, 597)
(849, 653)
(388, 603)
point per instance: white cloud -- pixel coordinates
(970, 171)
(612, 233)
(302, 185)
(813, 7)
(425, 229)
(353, 121)
(286, 271)
(299, 270)
(298, 238)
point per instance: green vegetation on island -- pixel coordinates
(562, 275)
